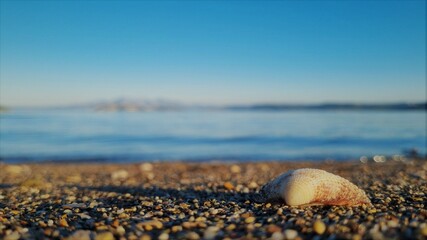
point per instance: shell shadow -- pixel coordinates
(175, 194)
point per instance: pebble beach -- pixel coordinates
(211, 200)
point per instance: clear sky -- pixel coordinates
(64, 52)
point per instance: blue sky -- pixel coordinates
(64, 52)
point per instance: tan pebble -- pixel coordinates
(200, 219)
(80, 235)
(393, 224)
(115, 223)
(67, 211)
(183, 205)
(188, 225)
(146, 167)
(50, 222)
(157, 224)
(192, 236)
(176, 228)
(277, 236)
(250, 220)
(231, 227)
(149, 176)
(48, 231)
(74, 205)
(272, 228)
(63, 222)
(163, 236)
(119, 175)
(145, 237)
(228, 185)
(123, 215)
(356, 237)
(319, 227)
(210, 233)
(12, 236)
(372, 210)
(253, 185)
(35, 182)
(71, 198)
(104, 236)
(15, 212)
(120, 230)
(18, 170)
(101, 228)
(290, 234)
(45, 196)
(423, 229)
(235, 169)
(73, 179)
(42, 224)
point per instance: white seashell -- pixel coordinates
(308, 186)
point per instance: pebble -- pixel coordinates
(146, 167)
(277, 236)
(319, 227)
(12, 236)
(163, 236)
(104, 236)
(63, 222)
(423, 229)
(176, 228)
(250, 220)
(210, 233)
(50, 222)
(272, 228)
(119, 175)
(235, 168)
(18, 169)
(290, 234)
(120, 230)
(192, 236)
(74, 205)
(145, 237)
(80, 235)
(253, 185)
(228, 185)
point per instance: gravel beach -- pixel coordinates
(215, 200)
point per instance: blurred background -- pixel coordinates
(121, 81)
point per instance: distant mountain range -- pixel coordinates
(131, 105)
(333, 106)
(165, 105)
(127, 105)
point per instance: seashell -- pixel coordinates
(308, 186)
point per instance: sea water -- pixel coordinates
(68, 135)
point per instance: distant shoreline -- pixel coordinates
(144, 106)
(334, 106)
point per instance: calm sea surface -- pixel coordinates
(208, 135)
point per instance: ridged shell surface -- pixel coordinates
(308, 186)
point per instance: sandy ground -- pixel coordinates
(203, 201)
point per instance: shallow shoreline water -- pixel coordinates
(179, 200)
(211, 135)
